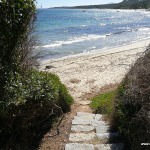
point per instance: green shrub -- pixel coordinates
(31, 103)
(132, 104)
(103, 103)
(29, 100)
(16, 42)
(16, 23)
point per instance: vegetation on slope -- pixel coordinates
(30, 100)
(132, 106)
(103, 103)
(128, 107)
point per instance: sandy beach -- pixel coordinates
(89, 72)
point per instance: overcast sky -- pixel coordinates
(56, 3)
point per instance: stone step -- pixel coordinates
(82, 128)
(84, 121)
(116, 146)
(98, 117)
(102, 129)
(85, 102)
(81, 121)
(109, 135)
(81, 114)
(85, 125)
(77, 146)
(82, 137)
(88, 117)
(99, 123)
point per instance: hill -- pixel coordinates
(126, 4)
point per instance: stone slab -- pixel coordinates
(82, 137)
(84, 102)
(81, 121)
(82, 128)
(79, 114)
(98, 117)
(102, 129)
(77, 146)
(98, 123)
(88, 117)
(107, 135)
(116, 146)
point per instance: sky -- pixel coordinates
(58, 3)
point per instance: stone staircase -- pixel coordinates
(90, 132)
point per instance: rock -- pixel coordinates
(98, 117)
(84, 102)
(98, 123)
(88, 117)
(83, 114)
(107, 135)
(49, 67)
(81, 137)
(116, 146)
(102, 129)
(81, 128)
(77, 146)
(81, 121)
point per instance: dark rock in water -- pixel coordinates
(49, 67)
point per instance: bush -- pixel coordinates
(132, 106)
(103, 103)
(16, 24)
(29, 100)
(32, 102)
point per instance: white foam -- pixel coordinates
(144, 29)
(92, 47)
(74, 40)
(102, 24)
(83, 25)
(125, 28)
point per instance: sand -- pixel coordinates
(87, 73)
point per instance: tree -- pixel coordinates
(16, 23)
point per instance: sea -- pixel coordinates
(65, 32)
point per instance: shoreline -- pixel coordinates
(87, 73)
(73, 38)
(103, 51)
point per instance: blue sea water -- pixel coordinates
(63, 32)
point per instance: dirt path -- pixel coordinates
(49, 143)
(58, 142)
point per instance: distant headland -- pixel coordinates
(125, 4)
